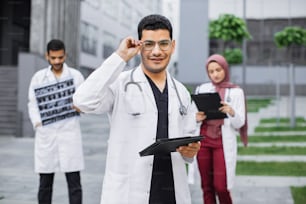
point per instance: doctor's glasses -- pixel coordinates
(163, 45)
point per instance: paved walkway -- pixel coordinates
(18, 183)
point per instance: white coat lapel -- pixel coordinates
(140, 77)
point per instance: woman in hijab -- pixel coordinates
(217, 156)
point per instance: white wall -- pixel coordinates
(268, 75)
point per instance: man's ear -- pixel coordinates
(173, 46)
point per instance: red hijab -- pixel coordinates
(220, 88)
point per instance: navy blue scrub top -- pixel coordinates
(162, 184)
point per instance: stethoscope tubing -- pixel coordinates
(182, 108)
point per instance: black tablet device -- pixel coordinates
(163, 146)
(210, 104)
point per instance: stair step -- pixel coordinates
(7, 125)
(7, 119)
(6, 131)
(8, 100)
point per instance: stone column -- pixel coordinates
(37, 27)
(56, 19)
(193, 42)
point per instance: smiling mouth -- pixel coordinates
(156, 59)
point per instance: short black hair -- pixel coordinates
(154, 22)
(55, 45)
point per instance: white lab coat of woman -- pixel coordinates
(58, 146)
(235, 98)
(133, 114)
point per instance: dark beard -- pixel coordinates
(61, 67)
(155, 70)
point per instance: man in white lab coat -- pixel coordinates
(58, 142)
(143, 104)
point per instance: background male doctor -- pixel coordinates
(58, 140)
(143, 104)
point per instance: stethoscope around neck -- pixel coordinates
(228, 98)
(182, 108)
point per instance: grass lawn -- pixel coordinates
(270, 124)
(282, 120)
(280, 128)
(253, 105)
(273, 150)
(298, 194)
(289, 138)
(271, 168)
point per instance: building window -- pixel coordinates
(108, 46)
(89, 38)
(296, 53)
(267, 56)
(93, 3)
(126, 14)
(110, 7)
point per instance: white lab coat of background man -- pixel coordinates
(58, 146)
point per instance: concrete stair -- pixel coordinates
(8, 100)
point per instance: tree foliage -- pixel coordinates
(233, 56)
(291, 35)
(288, 37)
(229, 28)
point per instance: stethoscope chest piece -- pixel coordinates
(183, 110)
